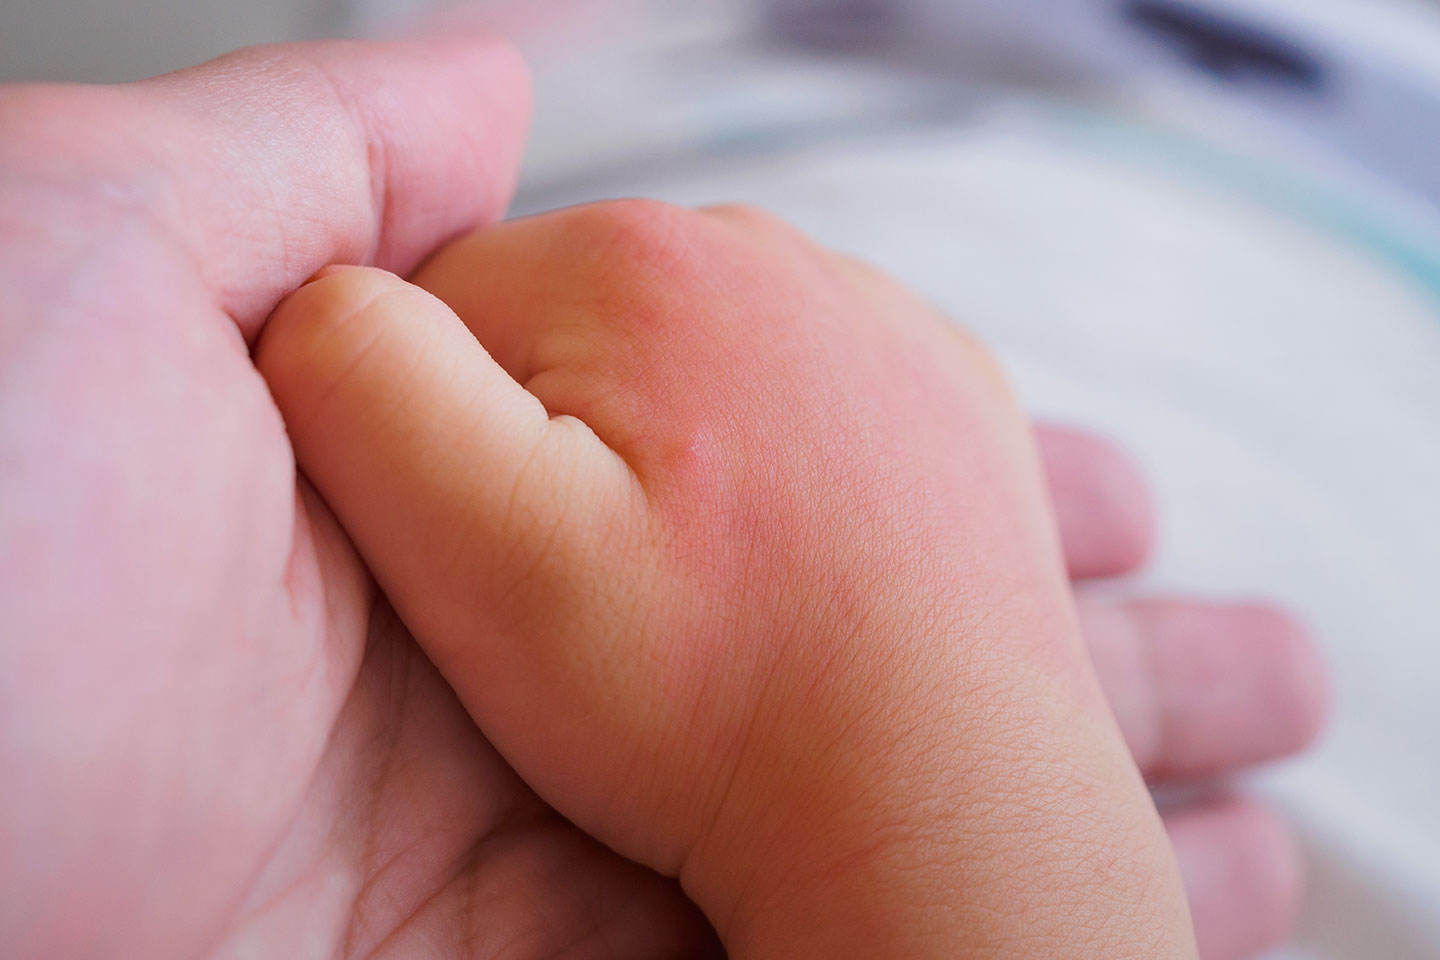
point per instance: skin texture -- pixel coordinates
(217, 738)
(768, 539)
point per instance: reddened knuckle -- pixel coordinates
(982, 357)
(985, 371)
(753, 219)
(643, 262)
(633, 234)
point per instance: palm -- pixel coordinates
(216, 739)
(417, 834)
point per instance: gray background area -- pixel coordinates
(110, 40)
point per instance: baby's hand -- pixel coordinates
(740, 555)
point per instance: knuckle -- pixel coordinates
(643, 262)
(759, 228)
(863, 272)
(633, 234)
(962, 349)
(752, 219)
(987, 372)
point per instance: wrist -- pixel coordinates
(946, 841)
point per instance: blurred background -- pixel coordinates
(1209, 228)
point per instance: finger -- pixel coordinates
(454, 482)
(1107, 521)
(1242, 877)
(1200, 689)
(265, 165)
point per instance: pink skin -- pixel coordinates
(215, 738)
(761, 533)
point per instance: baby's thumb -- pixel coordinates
(485, 521)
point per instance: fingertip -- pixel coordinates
(1203, 688)
(1273, 864)
(317, 337)
(1243, 874)
(304, 320)
(1299, 677)
(1102, 502)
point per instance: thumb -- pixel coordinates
(257, 169)
(475, 509)
(339, 151)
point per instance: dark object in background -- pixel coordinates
(1226, 46)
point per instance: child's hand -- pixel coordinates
(753, 578)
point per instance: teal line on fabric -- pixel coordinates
(1281, 189)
